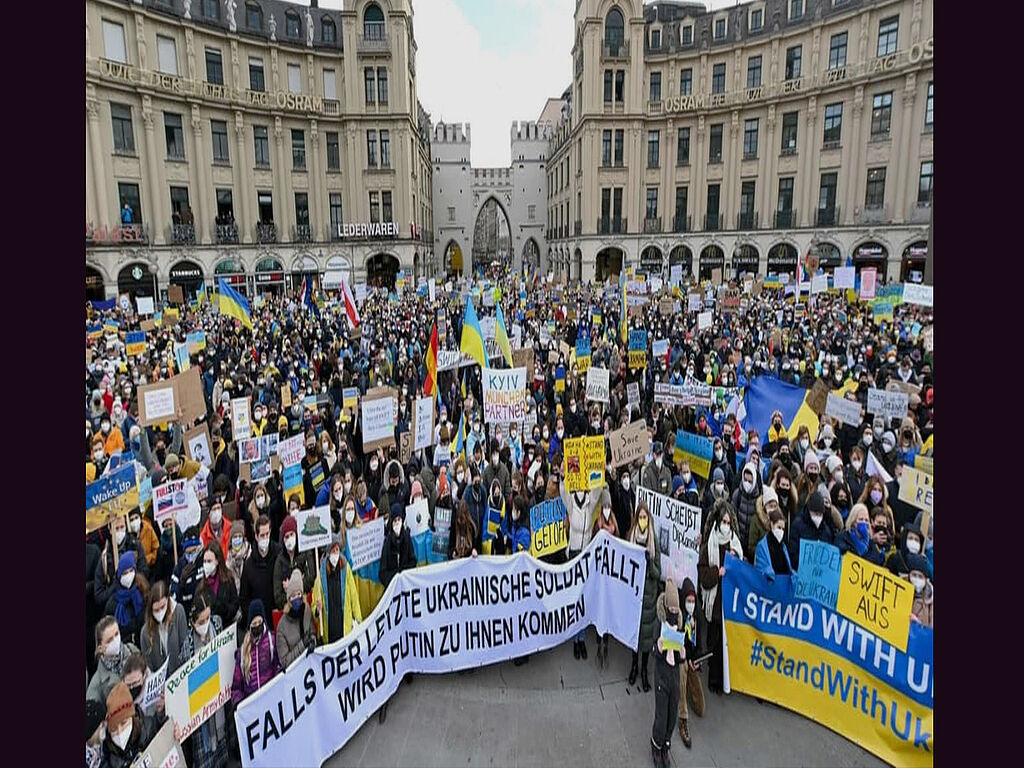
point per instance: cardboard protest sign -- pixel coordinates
(157, 403)
(378, 418)
(895, 385)
(867, 282)
(547, 528)
(637, 348)
(163, 751)
(818, 396)
(504, 394)
(584, 463)
(846, 411)
(597, 384)
(696, 450)
(175, 295)
(417, 517)
(111, 497)
(890, 405)
(523, 358)
(676, 527)
(169, 499)
(704, 320)
(314, 527)
(630, 443)
(917, 488)
(876, 599)
(202, 685)
(405, 446)
(442, 531)
(365, 542)
(817, 577)
(423, 429)
(153, 687)
(291, 451)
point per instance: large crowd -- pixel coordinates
(156, 594)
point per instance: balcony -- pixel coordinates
(302, 233)
(332, 108)
(611, 226)
(374, 39)
(613, 49)
(652, 226)
(682, 223)
(747, 220)
(577, 228)
(873, 215)
(182, 234)
(785, 219)
(714, 222)
(786, 151)
(826, 217)
(225, 233)
(266, 232)
(919, 213)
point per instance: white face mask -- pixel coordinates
(113, 647)
(460, 476)
(748, 485)
(121, 737)
(350, 516)
(334, 557)
(856, 465)
(159, 615)
(373, 465)
(719, 487)
(348, 488)
(261, 501)
(690, 606)
(816, 519)
(216, 515)
(397, 527)
(209, 568)
(778, 533)
(264, 545)
(838, 475)
(120, 534)
(625, 482)
(804, 442)
(560, 433)
(913, 546)
(658, 461)
(607, 511)
(201, 629)
(127, 579)
(868, 438)
(918, 582)
(135, 526)
(289, 542)
(686, 478)
(725, 529)
(339, 495)
(718, 454)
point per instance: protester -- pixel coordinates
(128, 730)
(112, 654)
(721, 539)
(857, 538)
(667, 664)
(218, 585)
(772, 557)
(642, 534)
(164, 632)
(335, 600)
(257, 662)
(210, 743)
(295, 629)
(289, 559)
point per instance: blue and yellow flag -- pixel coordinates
(201, 292)
(501, 336)
(472, 342)
(623, 324)
(203, 684)
(233, 304)
(763, 395)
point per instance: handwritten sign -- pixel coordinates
(365, 542)
(846, 411)
(817, 577)
(424, 424)
(241, 423)
(677, 532)
(876, 599)
(915, 293)
(917, 488)
(504, 395)
(547, 528)
(135, 343)
(704, 320)
(633, 393)
(637, 348)
(597, 385)
(378, 417)
(890, 405)
(584, 463)
(630, 443)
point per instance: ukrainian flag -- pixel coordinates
(472, 342)
(501, 336)
(201, 293)
(459, 444)
(203, 684)
(233, 304)
(623, 325)
(764, 394)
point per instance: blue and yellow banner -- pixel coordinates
(806, 657)
(94, 332)
(696, 450)
(135, 343)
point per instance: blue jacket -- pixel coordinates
(763, 558)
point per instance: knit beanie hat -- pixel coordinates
(832, 463)
(677, 483)
(190, 538)
(172, 462)
(769, 495)
(397, 510)
(718, 476)
(294, 583)
(120, 707)
(289, 526)
(917, 563)
(95, 712)
(238, 529)
(817, 504)
(811, 458)
(256, 609)
(126, 563)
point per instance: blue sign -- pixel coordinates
(817, 577)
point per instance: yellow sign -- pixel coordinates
(584, 463)
(876, 599)
(917, 488)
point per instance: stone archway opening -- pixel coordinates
(711, 258)
(607, 264)
(382, 271)
(137, 279)
(94, 290)
(492, 237)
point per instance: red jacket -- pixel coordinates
(206, 536)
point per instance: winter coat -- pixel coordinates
(283, 567)
(184, 580)
(351, 611)
(803, 528)
(262, 663)
(746, 505)
(150, 543)
(223, 603)
(501, 475)
(143, 730)
(924, 605)
(105, 678)
(387, 496)
(580, 507)
(292, 634)
(206, 535)
(476, 498)
(657, 480)
(105, 581)
(258, 579)
(177, 629)
(872, 554)
(396, 555)
(649, 627)
(759, 526)
(763, 558)
(623, 504)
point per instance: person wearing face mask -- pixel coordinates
(657, 476)
(875, 494)
(668, 666)
(315, 470)
(623, 493)
(856, 473)
(111, 655)
(496, 470)
(604, 521)
(163, 635)
(476, 499)
(557, 440)
(238, 552)
(397, 553)
(857, 537)
(140, 527)
(365, 507)
(841, 500)
(95, 732)
(113, 440)
(396, 488)
(912, 544)
(515, 446)
(97, 460)
(328, 451)
(642, 534)
(289, 559)
(336, 605)
(128, 730)
(886, 452)
(189, 570)
(690, 687)
(881, 533)
(717, 488)
(760, 523)
(217, 584)
(295, 629)
(127, 602)
(684, 485)
(265, 502)
(720, 459)
(810, 480)
(772, 555)
(721, 538)
(776, 433)
(256, 663)
(801, 444)
(216, 529)
(333, 494)
(813, 523)
(258, 571)
(745, 500)
(581, 508)
(923, 607)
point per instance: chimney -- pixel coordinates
(313, 4)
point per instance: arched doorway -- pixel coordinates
(492, 237)
(452, 259)
(912, 267)
(233, 273)
(871, 254)
(381, 271)
(829, 256)
(270, 276)
(607, 264)
(188, 275)
(711, 258)
(652, 261)
(136, 280)
(782, 259)
(336, 270)
(682, 256)
(94, 290)
(745, 259)
(303, 267)
(577, 264)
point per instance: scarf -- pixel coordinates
(115, 664)
(861, 545)
(122, 612)
(214, 584)
(715, 540)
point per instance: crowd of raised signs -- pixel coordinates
(161, 586)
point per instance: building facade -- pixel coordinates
(744, 138)
(461, 193)
(253, 140)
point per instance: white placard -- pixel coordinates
(189, 712)
(675, 274)
(365, 542)
(423, 432)
(597, 384)
(169, 498)
(241, 423)
(153, 688)
(432, 288)
(676, 534)
(145, 305)
(314, 527)
(378, 417)
(704, 320)
(417, 517)
(693, 302)
(845, 277)
(819, 284)
(504, 395)
(291, 451)
(159, 403)
(890, 405)
(916, 293)
(360, 293)
(847, 411)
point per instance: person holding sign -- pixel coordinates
(721, 539)
(290, 559)
(923, 590)
(464, 538)
(256, 663)
(772, 557)
(218, 585)
(163, 637)
(642, 534)
(295, 629)
(111, 656)
(336, 606)
(857, 538)
(210, 741)
(128, 730)
(667, 663)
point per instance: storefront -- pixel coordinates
(829, 257)
(711, 258)
(233, 273)
(871, 254)
(136, 280)
(303, 267)
(782, 259)
(745, 260)
(912, 266)
(681, 255)
(651, 261)
(381, 271)
(337, 269)
(94, 290)
(607, 264)
(269, 277)
(189, 276)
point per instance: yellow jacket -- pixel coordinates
(350, 598)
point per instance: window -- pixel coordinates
(686, 35)
(607, 86)
(292, 28)
(374, 208)
(373, 22)
(655, 86)
(261, 145)
(924, 186)
(747, 191)
(179, 204)
(371, 85)
(330, 85)
(333, 152)
(827, 196)
(876, 188)
(265, 203)
(371, 149)
(173, 136)
(928, 107)
(385, 151)
(750, 138)
(837, 51)
(719, 29)
(620, 85)
(385, 206)
(531, 212)
(833, 124)
(796, 9)
(294, 78)
(328, 32)
(302, 209)
(714, 191)
(129, 193)
(451, 213)
(753, 72)
(613, 29)
(789, 132)
(253, 16)
(382, 85)
(756, 20)
(683, 147)
(256, 82)
(606, 203)
(686, 82)
(225, 206)
(655, 38)
(113, 42)
(793, 57)
(680, 205)
(786, 195)
(881, 114)
(718, 78)
(166, 55)
(652, 203)
(606, 147)
(335, 211)
(219, 133)
(211, 9)
(888, 32)
(121, 122)
(619, 137)
(715, 144)
(653, 141)
(298, 150)
(214, 68)
(617, 203)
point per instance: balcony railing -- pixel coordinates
(226, 233)
(332, 108)
(826, 217)
(302, 233)
(652, 226)
(919, 213)
(266, 232)
(714, 222)
(577, 228)
(682, 223)
(785, 219)
(373, 39)
(873, 215)
(183, 233)
(612, 226)
(747, 220)
(614, 49)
